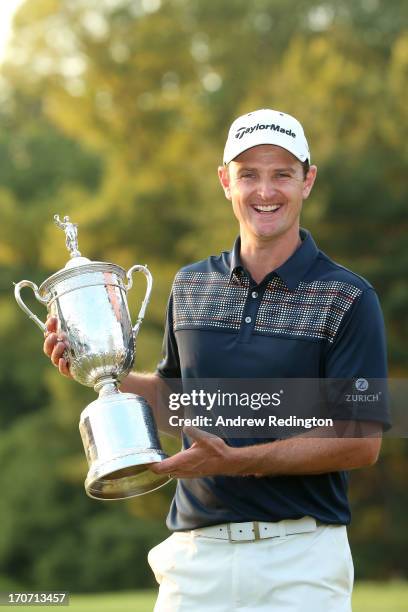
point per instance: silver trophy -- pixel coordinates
(117, 429)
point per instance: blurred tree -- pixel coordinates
(53, 535)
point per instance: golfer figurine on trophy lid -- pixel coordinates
(118, 431)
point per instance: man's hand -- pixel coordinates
(209, 455)
(55, 345)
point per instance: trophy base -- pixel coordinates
(130, 481)
(120, 439)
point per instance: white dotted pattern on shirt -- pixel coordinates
(210, 300)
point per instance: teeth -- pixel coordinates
(267, 208)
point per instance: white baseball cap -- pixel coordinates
(266, 126)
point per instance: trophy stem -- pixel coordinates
(106, 386)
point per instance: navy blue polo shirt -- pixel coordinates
(309, 318)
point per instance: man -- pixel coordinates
(262, 526)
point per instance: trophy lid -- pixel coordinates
(71, 241)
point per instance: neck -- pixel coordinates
(261, 256)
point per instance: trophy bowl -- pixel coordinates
(119, 434)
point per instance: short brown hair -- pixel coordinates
(306, 168)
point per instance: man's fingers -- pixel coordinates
(57, 353)
(198, 434)
(51, 324)
(63, 368)
(49, 343)
(55, 345)
(162, 467)
(157, 468)
(50, 335)
(171, 464)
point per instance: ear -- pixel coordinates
(223, 175)
(309, 181)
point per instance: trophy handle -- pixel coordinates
(33, 286)
(149, 279)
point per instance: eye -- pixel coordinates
(282, 175)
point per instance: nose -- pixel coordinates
(266, 189)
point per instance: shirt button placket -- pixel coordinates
(249, 316)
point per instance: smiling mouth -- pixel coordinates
(267, 209)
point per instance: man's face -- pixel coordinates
(266, 187)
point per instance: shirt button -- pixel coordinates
(248, 319)
(254, 294)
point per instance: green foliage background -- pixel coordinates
(115, 112)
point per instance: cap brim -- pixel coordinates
(231, 157)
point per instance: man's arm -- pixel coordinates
(308, 456)
(146, 385)
(211, 456)
(154, 390)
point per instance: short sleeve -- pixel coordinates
(169, 366)
(357, 359)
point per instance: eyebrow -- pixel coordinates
(287, 169)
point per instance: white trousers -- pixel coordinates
(303, 572)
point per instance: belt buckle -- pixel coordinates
(255, 531)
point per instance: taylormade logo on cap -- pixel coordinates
(277, 128)
(266, 126)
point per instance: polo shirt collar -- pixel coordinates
(293, 269)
